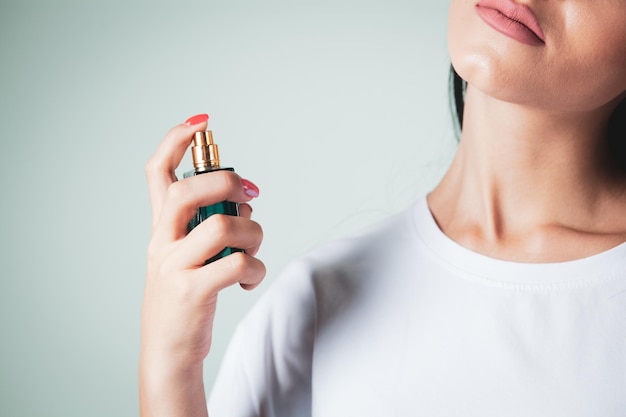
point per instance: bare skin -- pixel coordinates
(547, 192)
(532, 180)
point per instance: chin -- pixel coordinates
(482, 73)
(515, 85)
(498, 72)
(498, 68)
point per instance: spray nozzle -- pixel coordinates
(204, 151)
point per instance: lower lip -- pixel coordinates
(508, 27)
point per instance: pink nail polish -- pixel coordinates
(249, 188)
(197, 119)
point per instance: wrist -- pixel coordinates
(171, 388)
(156, 366)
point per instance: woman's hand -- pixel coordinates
(181, 291)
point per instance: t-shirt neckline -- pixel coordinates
(576, 273)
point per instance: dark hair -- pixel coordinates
(457, 100)
(616, 133)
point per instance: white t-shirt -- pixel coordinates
(403, 321)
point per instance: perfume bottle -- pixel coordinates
(206, 159)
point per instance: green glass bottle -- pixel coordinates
(206, 160)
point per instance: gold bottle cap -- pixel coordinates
(204, 152)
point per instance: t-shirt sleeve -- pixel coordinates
(267, 367)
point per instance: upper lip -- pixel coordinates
(515, 11)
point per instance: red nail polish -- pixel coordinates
(197, 119)
(249, 188)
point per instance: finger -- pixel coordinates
(161, 166)
(245, 210)
(239, 268)
(212, 236)
(184, 197)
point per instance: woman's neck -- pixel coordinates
(525, 181)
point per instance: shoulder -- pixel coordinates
(368, 250)
(347, 271)
(372, 245)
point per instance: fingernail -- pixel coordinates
(197, 119)
(249, 188)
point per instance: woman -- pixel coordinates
(503, 292)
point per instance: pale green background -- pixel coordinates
(337, 109)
